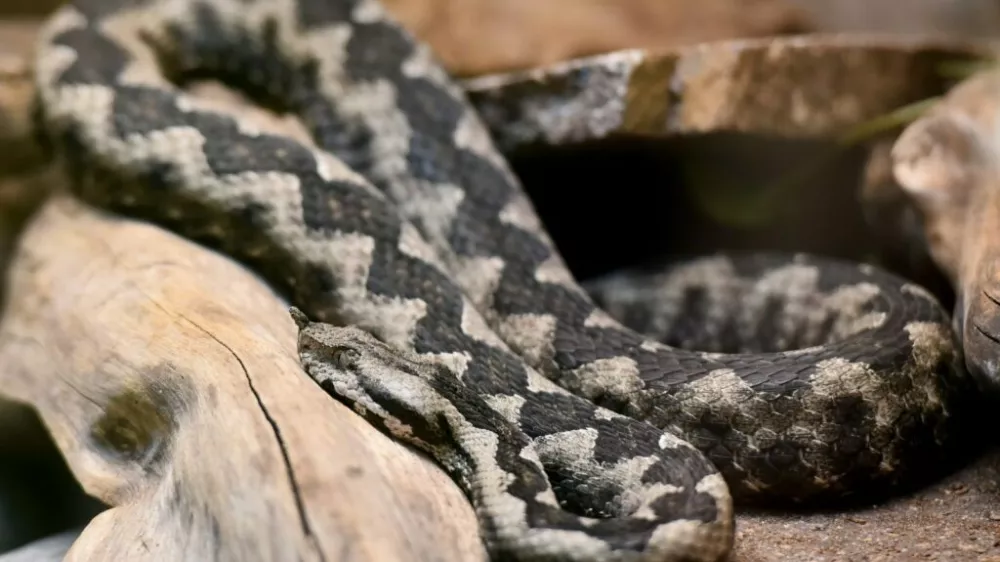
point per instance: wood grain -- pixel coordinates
(168, 378)
(948, 164)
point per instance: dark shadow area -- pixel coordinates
(39, 496)
(630, 201)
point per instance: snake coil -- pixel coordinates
(430, 298)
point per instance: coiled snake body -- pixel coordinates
(430, 298)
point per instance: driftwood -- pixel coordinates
(948, 164)
(168, 377)
(169, 380)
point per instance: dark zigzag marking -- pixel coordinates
(382, 266)
(623, 533)
(140, 110)
(488, 194)
(432, 156)
(476, 230)
(433, 117)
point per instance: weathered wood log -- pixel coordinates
(168, 377)
(948, 163)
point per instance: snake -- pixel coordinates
(620, 418)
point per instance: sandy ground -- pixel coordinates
(954, 520)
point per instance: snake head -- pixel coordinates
(366, 373)
(325, 348)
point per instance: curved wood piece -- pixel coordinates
(169, 378)
(948, 164)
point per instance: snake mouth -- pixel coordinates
(978, 320)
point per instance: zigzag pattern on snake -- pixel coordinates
(434, 303)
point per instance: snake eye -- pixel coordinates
(345, 358)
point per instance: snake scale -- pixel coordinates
(614, 421)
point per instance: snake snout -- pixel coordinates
(978, 320)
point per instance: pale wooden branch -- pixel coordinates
(168, 377)
(948, 164)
